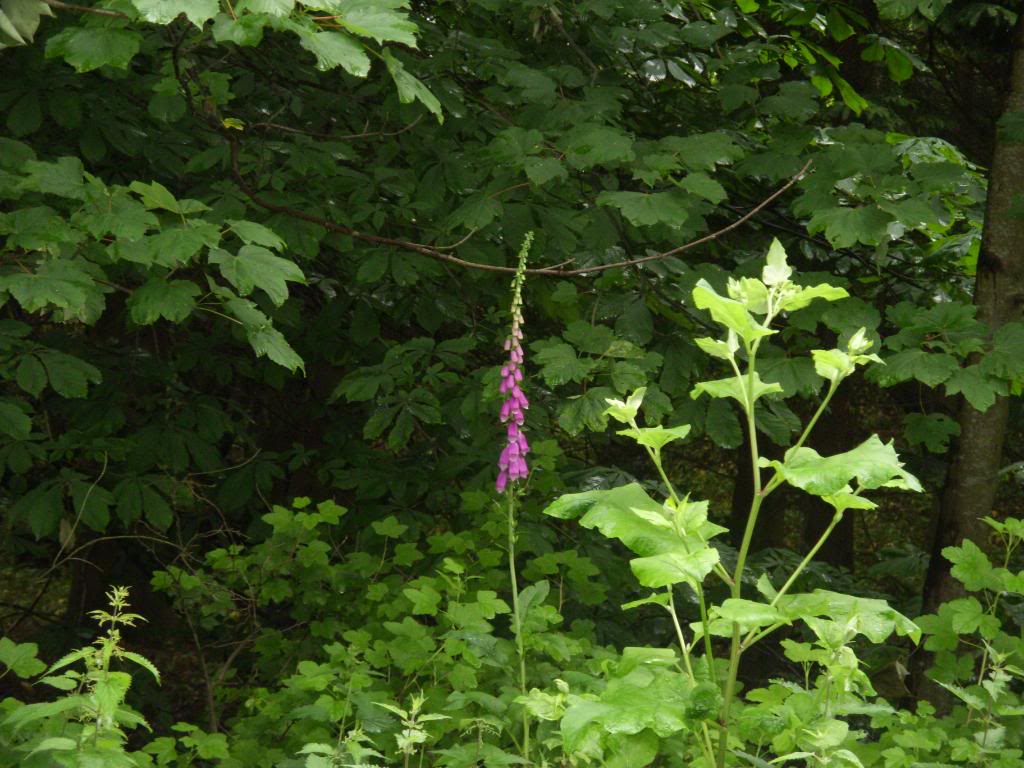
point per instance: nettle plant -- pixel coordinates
(686, 701)
(88, 726)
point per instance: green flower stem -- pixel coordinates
(776, 479)
(517, 618)
(709, 654)
(735, 649)
(807, 558)
(706, 744)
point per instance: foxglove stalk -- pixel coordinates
(512, 462)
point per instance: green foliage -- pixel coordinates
(673, 541)
(237, 250)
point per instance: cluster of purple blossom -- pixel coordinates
(512, 462)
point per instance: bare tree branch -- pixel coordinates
(438, 254)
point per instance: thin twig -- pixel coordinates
(331, 136)
(434, 253)
(85, 9)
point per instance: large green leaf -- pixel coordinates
(872, 463)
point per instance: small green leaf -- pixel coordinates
(735, 388)
(729, 312)
(20, 658)
(656, 437)
(14, 422)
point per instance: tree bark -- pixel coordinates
(972, 479)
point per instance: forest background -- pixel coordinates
(255, 283)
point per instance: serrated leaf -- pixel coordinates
(734, 388)
(731, 313)
(336, 49)
(657, 437)
(932, 430)
(166, 11)
(559, 364)
(267, 340)
(172, 300)
(251, 233)
(872, 463)
(256, 267)
(68, 376)
(89, 48)
(20, 658)
(978, 389)
(410, 88)
(379, 20)
(647, 209)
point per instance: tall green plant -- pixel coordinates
(673, 543)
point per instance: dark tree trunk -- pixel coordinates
(972, 480)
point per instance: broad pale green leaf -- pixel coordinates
(729, 312)
(158, 298)
(872, 463)
(380, 20)
(626, 513)
(336, 49)
(626, 411)
(269, 7)
(674, 567)
(251, 233)
(410, 88)
(656, 437)
(749, 614)
(55, 283)
(20, 658)
(256, 267)
(703, 151)
(776, 271)
(871, 617)
(64, 177)
(735, 389)
(723, 350)
(166, 11)
(803, 296)
(931, 369)
(89, 48)
(541, 170)
(647, 209)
